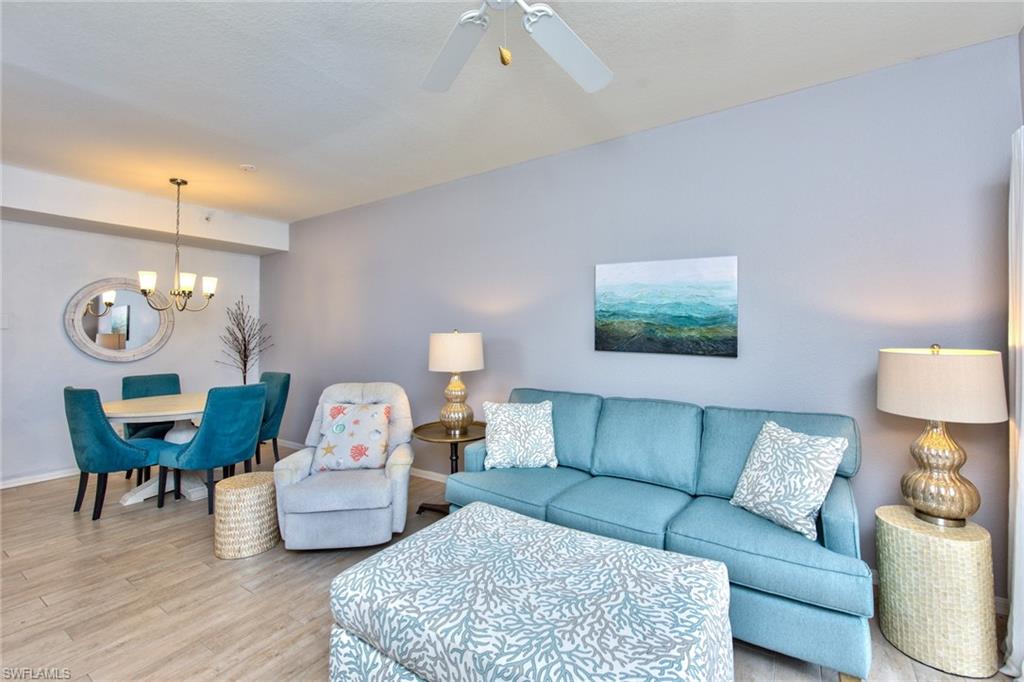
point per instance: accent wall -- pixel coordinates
(865, 213)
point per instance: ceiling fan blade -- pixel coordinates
(566, 48)
(456, 51)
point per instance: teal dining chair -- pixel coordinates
(98, 449)
(144, 386)
(277, 396)
(227, 435)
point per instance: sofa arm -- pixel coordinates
(839, 527)
(475, 454)
(293, 468)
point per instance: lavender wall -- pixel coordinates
(865, 213)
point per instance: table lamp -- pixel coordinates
(941, 385)
(456, 352)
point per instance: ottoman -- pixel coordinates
(245, 516)
(488, 594)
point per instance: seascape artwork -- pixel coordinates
(684, 307)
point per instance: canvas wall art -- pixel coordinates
(686, 307)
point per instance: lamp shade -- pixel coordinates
(947, 384)
(456, 352)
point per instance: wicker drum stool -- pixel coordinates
(245, 511)
(937, 603)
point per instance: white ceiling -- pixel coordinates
(324, 98)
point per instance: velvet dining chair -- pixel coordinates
(98, 449)
(277, 396)
(145, 386)
(227, 435)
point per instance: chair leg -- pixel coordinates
(277, 455)
(83, 481)
(138, 476)
(258, 452)
(101, 492)
(128, 475)
(161, 483)
(209, 491)
(248, 466)
(177, 484)
(145, 474)
(223, 472)
(231, 470)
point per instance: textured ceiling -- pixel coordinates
(324, 98)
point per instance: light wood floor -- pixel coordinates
(139, 595)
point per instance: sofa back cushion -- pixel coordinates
(655, 441)
(575, 420)
(729, 434)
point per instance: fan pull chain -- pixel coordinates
(505, 54)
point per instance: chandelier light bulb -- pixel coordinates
(147, 281)
(187, 282)
(209, 286)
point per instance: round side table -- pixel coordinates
(435, 432)
(937, 601)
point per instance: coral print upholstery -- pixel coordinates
(787, 476)
(519, 435)
(354, 436)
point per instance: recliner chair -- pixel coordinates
(352, 508)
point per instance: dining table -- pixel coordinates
(181, 408)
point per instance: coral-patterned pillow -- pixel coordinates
(354, 436)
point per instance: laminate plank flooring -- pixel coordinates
(138, 595)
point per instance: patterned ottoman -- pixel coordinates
(488, 594)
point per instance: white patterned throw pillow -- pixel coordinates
(519, 436)
(787, 476)
(353, 436)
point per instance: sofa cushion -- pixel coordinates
(618, 508)
(654, 441)
(575, 421)
(526, 491)
(337, 491)
(769, 558)
(729, 434)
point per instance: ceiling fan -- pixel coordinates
(544, 26)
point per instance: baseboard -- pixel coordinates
(429, 475)
(290, 444)
(38, 478)
(1002, 603)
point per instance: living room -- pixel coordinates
(443, 341)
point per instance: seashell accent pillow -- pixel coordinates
(354, 436)
(787, 476)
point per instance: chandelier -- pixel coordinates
(184, 282)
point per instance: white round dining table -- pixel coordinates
(181, 408)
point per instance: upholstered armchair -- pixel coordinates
(352, 508)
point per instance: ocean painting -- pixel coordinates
(686, 307)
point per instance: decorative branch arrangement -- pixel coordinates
(245, 338)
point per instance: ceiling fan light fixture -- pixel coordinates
(542, 23)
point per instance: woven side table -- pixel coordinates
(245, 516)
(937, 602)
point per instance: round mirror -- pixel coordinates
(110, 320)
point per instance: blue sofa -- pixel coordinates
(661, 473)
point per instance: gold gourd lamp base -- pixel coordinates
(936, 490)
(941, 385)
(456, 415)
(456, 352)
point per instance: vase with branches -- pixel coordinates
(245, 338)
